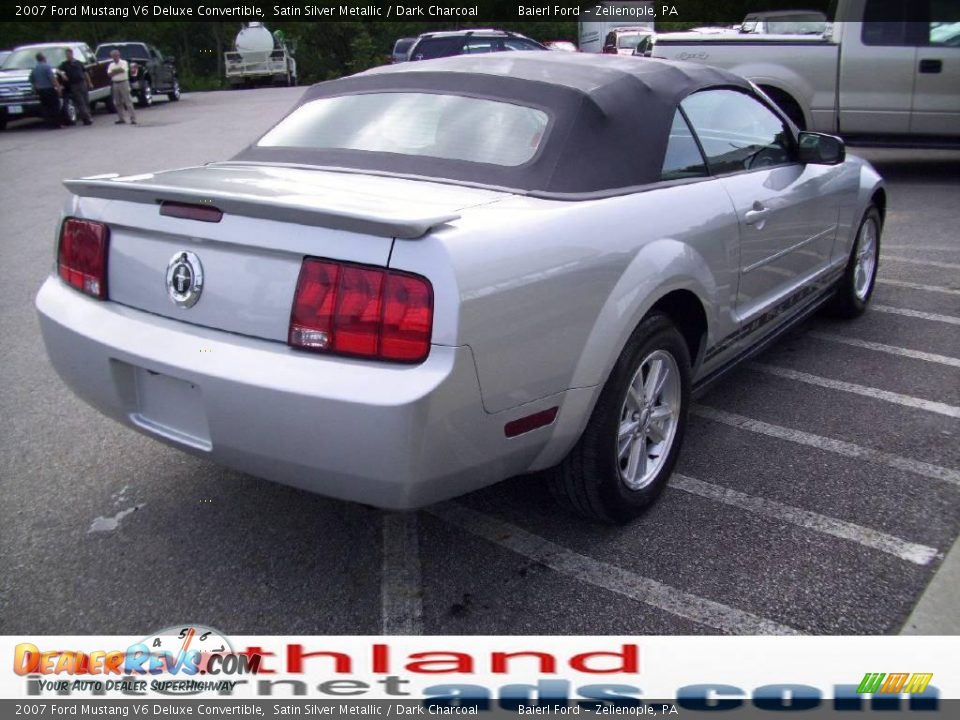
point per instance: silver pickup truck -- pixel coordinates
(886, 72)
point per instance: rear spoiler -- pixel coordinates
(394, 224)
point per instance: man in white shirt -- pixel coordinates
(119, 72)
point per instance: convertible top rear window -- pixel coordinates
(564, 125)
(453, 127)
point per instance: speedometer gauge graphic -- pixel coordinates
(171, 645)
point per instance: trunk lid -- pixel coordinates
(272, 218)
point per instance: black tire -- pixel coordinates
(3, 121)
(588, 482)
(145, 94)
(174, 93)
(848, 302)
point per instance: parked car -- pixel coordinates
(17, 97)
(401, 49)
(150, 72)
(469, 42)
(870, 80)
(785, 22)
(400, 312)
(623, 40)
(561, 45)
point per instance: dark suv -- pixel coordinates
(150, 72)
(469, 42)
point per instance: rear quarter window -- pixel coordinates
(683, 158)
(893, 23)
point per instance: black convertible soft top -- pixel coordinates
(609, 124)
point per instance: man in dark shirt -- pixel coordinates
(44, 81)
(78, 84)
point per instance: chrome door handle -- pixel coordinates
(757, 215)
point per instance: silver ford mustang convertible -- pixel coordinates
(432, 276)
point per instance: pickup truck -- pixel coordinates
(150, 71)
(886, 72)
(17, 97)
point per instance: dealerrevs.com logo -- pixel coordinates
(187, 651)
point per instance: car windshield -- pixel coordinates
(127, 52)
(26, 59)
(401, 47)
(451, 127)
(812, 26)
(628, 41)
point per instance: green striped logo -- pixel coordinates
(894, 683)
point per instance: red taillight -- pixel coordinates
(356, 322)
(82, 256)
(362, 311)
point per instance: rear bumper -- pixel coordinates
(392, 436)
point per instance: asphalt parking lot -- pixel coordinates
(817, 491)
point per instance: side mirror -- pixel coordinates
(821, 149)
(169, 59)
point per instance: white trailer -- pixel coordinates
(598, 19)
(260, 57)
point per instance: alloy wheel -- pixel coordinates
(866, 259)
(648, 419)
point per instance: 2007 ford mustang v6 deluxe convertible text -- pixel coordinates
(432, 276)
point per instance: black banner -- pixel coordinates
(443, 11)
(502, 708)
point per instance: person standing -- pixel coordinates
(44, 82)
(119, 72)
(77, 85)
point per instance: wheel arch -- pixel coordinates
(685, 310)
(665, 276)
(790, 106)
(879, 198)
(780, 82)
